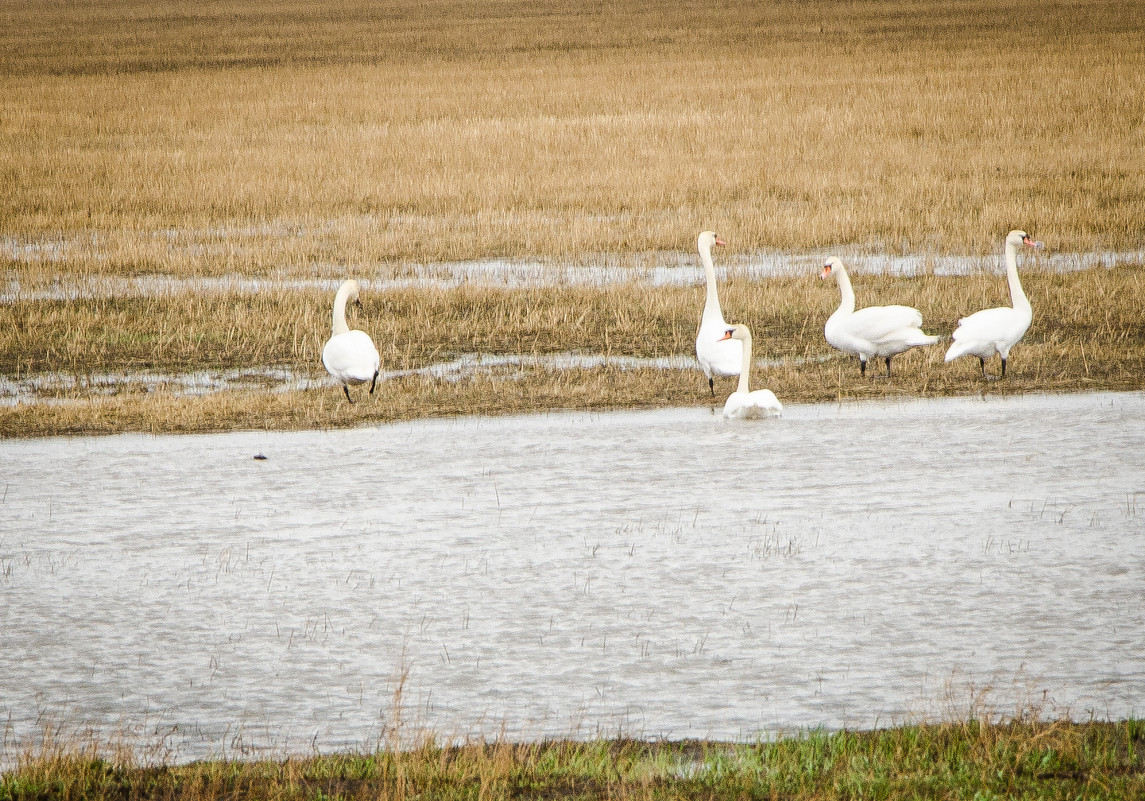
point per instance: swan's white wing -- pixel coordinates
(351, 357)
(987, 331)
(719, 357)
(876, 323)
(988, 325)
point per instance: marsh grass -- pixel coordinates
(352, 138)
(972, 759)
(1087, 334)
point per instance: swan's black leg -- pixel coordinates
(373, 381)
(888, 367)
(1003, 368)
(712, 386)
(346, 389)
(982, 362)
(862, 368)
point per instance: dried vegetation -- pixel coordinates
(316, 142)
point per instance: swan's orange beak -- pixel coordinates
(826, 271)
(728, 335)
(720, 241)
(1035, 245)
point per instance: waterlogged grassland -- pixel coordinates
(1088, 334)
(950, 761)
(356, 139)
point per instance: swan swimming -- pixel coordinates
(717, 355)
(880, 331)
(350, 356)
(997, 330)
(742, 404)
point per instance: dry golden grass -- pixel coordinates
(230, 137)
(354, 138)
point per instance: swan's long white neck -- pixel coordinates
(712, 300)
(1017, 295)
(847, 303)
(340, 301)
(745, 366)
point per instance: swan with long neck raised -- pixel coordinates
(991, 331)
(350, 355)
(744, 404)
(876, 331)
(717, 356)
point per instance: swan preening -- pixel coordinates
(717, 355)
(744, 404)
(350, 356)
(991, 331)
(879, 331)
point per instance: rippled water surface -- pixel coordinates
(654, 574)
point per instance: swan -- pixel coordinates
(990, 330)
(743, 404)
(717, 355)
(350, 356)
(880, 331)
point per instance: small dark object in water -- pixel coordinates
(259, 457)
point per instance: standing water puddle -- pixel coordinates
(650, 574)
(663, 269)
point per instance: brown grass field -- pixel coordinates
(292, 140)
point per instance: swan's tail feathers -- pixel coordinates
(957, 349)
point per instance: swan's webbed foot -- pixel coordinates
(346, 389)
(373, 381)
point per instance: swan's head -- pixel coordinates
(738, 331)
(707, 239)
(833, 267)
(1016, 238)
(351, 288)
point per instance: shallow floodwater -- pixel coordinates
(653, 574)
(63, 388)
(656, 269)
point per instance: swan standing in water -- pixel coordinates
(743, 404)
(717, 355)
(880, 331)
(997, 330)
(350, 356)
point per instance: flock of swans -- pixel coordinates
(725, 350)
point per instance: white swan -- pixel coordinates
(743, 404)
(350, 356)
(880, 331)
(717, 355)
(997, 330)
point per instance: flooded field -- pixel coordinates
(661, 269)
(653, 574)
